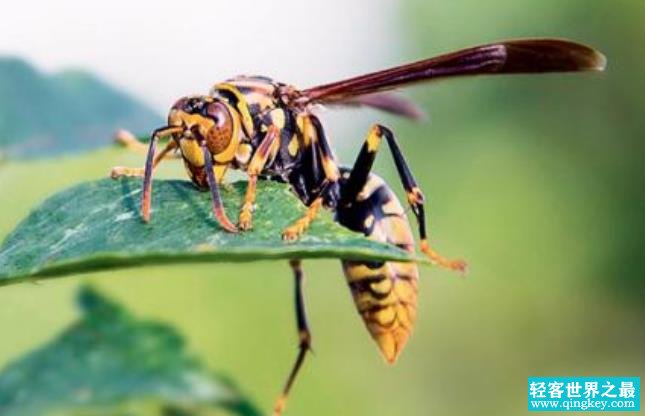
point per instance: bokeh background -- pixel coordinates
(537, 181)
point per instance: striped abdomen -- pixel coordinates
(385, 293)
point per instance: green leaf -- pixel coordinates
(96, 225)
(110, 364)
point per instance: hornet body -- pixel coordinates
(270, 131)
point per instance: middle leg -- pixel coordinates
(321, 158)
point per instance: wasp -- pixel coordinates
(270, 130)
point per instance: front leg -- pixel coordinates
(216, 200)
(259, 160)
(151, 164)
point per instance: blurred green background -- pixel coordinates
(537, 181)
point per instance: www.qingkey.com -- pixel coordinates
(586, 404)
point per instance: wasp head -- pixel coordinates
(207, 119)
(208, 136)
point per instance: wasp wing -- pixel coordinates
(385, 101)
(507, 57)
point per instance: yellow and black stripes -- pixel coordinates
(327, 158)
(315, 172)
(385, 293)
(386, 299)
(251, 96)
(316, 178)
(300, 153)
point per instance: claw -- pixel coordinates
(294, 231)
(437, 259)
(245, 222)
(290, 234)
(223, 220)
(115, 172)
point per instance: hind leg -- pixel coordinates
(360, 173)
(303, 334)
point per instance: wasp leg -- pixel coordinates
(415, 197)
(119, 171)
(320, 144)
(146, 197)
(128, 140)
(315, 137)
(295, 230)
(256, 165)
(216, 200)
(304, 336)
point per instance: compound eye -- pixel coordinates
(220, 135)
